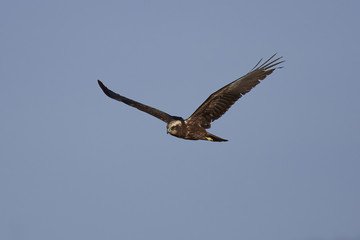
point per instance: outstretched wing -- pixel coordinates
(142, 107)
(220, 101)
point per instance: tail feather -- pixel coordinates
(212, 137)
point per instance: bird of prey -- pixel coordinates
(194, 128)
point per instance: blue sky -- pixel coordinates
(78, 165)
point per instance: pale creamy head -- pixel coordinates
(173, 126)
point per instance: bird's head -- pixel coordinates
(174, 127)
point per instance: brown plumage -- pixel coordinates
(212, 108)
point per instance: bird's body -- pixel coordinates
(184, 129)
(194, 127)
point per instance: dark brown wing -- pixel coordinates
(220, 101)
(142, 107)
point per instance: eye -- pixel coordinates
(172, 128)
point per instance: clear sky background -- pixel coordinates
(75, 164)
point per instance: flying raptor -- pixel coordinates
(194, 128)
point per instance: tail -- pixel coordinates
(211, 137)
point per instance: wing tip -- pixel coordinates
(269, 63)
(100, 84)
(103, 87)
